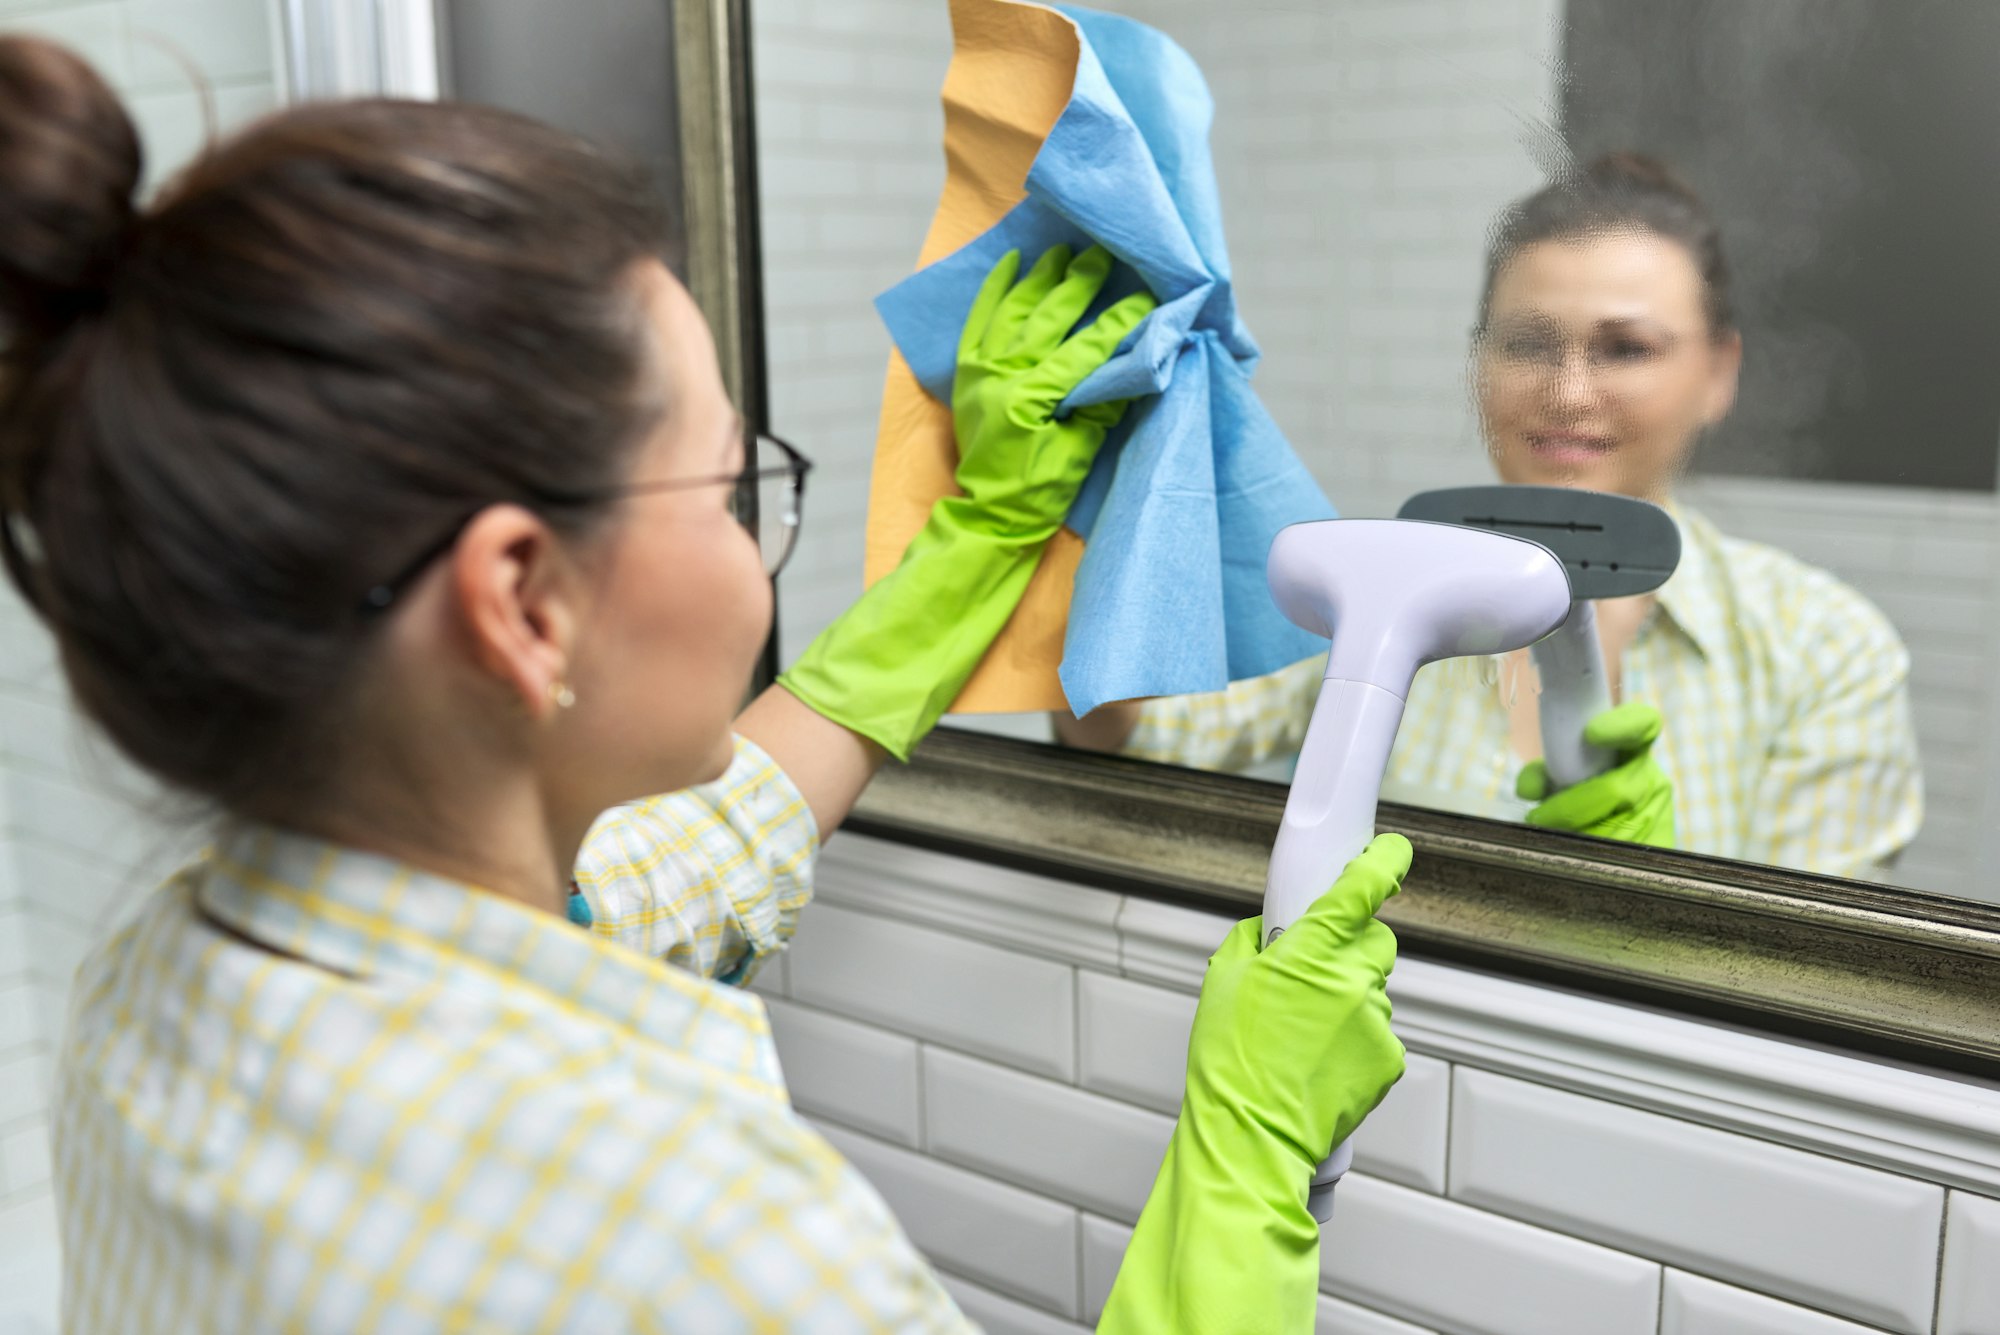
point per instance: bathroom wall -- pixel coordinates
(1069, 1017)
(1361, 146)
(76, 847)
(1001, 1056)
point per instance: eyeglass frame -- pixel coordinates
(383, 595)
(1487, 338)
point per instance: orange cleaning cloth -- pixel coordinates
(1013, 68)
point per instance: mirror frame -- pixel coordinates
(1862, 966)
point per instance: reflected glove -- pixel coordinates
(1290, 1049)
(893, 663)
(1633, 800)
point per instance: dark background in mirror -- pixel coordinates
(1851, 150)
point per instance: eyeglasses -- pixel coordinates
(1617, 362)
(768, 501)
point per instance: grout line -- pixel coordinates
(1450, 1111)
(923, 1102)
(1075, 1026)
(1944, 1239)
(1082, 1282)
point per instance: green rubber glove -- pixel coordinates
(1290, 1049)
(1633, 801)
(893, 663)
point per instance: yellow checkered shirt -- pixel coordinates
(1788, 733)
(309, 1089)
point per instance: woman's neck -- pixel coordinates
(496, 834)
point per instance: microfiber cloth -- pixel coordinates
(1178, 515)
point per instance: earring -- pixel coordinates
(560, 695)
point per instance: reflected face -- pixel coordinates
(1597, 368)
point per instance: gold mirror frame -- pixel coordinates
(1863, 966)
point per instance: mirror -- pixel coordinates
(1825, 428)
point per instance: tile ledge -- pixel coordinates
(1068, 923)
(1937, 1128)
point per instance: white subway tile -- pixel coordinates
(112, 830)
(1933, 555)
(1008, 1006)
(997, 1315)
(855, 1075)
(1403, 1140)
(67, 881)
(24, 1158)
(1132, 1040)
(94, 31)
(1833, 1235)
(18, 1027)
(1691, 1305)
(918, 73)
(1017, 910)
(1338, 1317)
(1440, 1263)
(1168, 944)
(60, 946)
(39, 731)
(227, 41)
(805, 60)
(1104, 1244)
(22, 1093)
(174, 124)
(1969, 1296)
(14, 951)
(998, 1235)
(30, 1265)
(807, 177)
(1064, 1142)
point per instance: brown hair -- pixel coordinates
(332, 339)
(1619, 191)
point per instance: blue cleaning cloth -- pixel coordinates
(1186, 496)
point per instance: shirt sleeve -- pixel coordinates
(1842, 792)
(711, 878)
(1234, 728)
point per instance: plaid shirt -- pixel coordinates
(1788, 733)
(310, 1089)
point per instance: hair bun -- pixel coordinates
(1632, 170)
(69, 167)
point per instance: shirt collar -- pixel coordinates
(375, 919)
(1694, 597)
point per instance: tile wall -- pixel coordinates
(1007, 1074)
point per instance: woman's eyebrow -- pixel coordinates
(1635, 323)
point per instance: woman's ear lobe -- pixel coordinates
(1725, 370)
(513, 603)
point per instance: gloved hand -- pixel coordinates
(1633, 800)
(1290, 1049)
(895, 661)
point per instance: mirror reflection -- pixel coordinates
(1690, 257)
(1604, 346)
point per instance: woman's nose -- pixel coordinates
(1571, 384)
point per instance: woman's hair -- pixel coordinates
(331, 340)
(1618, 192)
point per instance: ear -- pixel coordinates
(1725, 365)
(516, 593)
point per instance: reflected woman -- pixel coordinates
(1605, 346)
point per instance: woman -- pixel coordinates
(376, 485)
(1605, 346)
